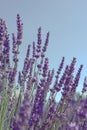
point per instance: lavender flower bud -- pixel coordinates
(84, 85)
(19, 30)
(45, 67)
(45, 46)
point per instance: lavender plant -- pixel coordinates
(33, 105)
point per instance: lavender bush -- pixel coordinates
(29, 103)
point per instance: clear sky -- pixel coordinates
(66, 20)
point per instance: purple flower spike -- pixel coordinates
(45, 45)
(39, 41)
(49, 119)
(76, 80)
(61, 66)
(28, 51)
(19, 30)
(84, 85)
(3, 31)
(6, 51)
(34, 50)
(37, 111)
(56, 87)
(45, 67)
(14, 48)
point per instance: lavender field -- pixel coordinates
(28, 97)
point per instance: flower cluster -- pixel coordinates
(29, 103)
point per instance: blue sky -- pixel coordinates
(66, 20)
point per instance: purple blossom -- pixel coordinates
(39, 41)
(45, 68)
(45, 45)
(84, 89)
(57, 85)
(34, 50)
(19, 30)
(47, 124)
